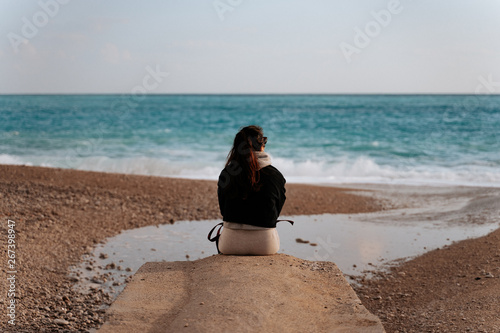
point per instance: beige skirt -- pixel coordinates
(244, 239)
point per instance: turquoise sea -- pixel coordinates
(414, 139)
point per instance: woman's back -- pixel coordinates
(251, 194)
(260, 208)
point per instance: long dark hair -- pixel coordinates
(242, 163)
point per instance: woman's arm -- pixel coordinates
(275, 193)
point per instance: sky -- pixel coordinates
(249, 46)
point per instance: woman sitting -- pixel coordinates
(251, 194)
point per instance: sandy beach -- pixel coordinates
(61, 214)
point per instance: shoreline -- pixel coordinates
(350, 185)
(61, 214)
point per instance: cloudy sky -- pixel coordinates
(249, 46)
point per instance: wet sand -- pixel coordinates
(61, 214)
(455, 288)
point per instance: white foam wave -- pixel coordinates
(9, 159)
(346, 170)
(147, 166)
(366, 170)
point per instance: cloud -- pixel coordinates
(112, 54)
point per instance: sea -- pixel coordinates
(320, 139)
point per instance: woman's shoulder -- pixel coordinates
(272, 172)
(232, 169)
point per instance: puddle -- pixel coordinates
(354, 242)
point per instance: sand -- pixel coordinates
(62, 214)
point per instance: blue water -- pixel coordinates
(312, 138)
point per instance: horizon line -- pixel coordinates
(252, 94)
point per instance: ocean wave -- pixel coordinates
(367, 170)
(346, 170)
(9, 159)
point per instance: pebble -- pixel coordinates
(96, 280)
(110, 266)
(61, 322)
(302, 241)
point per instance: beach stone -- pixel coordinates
(61, 322)
(74, 279)
(110, 266)
(94, 286)
(302, 241)
(97, 280)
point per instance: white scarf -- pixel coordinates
(263, 158)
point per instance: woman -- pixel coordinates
(251, 194)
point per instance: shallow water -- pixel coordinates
(354, 242)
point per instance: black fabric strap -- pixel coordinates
(290, 221)
(216, 237)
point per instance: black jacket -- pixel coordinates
(260, 208)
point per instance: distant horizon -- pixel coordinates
(252, 94)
